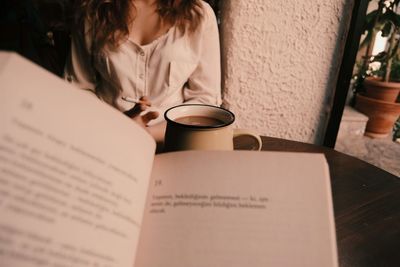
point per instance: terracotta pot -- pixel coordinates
(382, 115)
(386, 91)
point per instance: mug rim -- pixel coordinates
(199, 126)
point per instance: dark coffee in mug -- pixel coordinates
(199, 121)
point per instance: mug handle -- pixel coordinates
(241, 132)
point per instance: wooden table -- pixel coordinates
(366, 203)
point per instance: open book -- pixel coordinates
(80, 186)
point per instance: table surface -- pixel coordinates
(366, 203)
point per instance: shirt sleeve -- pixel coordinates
(78, 68)
(204, 85)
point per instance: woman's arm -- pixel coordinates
(204, 85)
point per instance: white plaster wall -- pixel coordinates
(280, 61)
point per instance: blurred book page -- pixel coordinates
(238, 209)
(74, 173)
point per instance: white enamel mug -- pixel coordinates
(215, 136)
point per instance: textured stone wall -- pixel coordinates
(280, 62)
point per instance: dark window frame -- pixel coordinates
(345, 71)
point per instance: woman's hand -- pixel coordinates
(134, 113)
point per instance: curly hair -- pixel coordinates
(110, 19)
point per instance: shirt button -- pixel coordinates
(141, 53)
(141, 76)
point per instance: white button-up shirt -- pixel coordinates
(175, 68)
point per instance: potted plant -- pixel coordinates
(379, 74)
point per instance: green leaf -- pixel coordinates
(387, 29)
(380, 57)
(390, 16)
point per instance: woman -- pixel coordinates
(161, 51)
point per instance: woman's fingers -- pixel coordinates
(145, 100)
(142, 105)
(151, 115)
(136, 110)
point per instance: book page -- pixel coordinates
(73, 173)
(238, 209)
